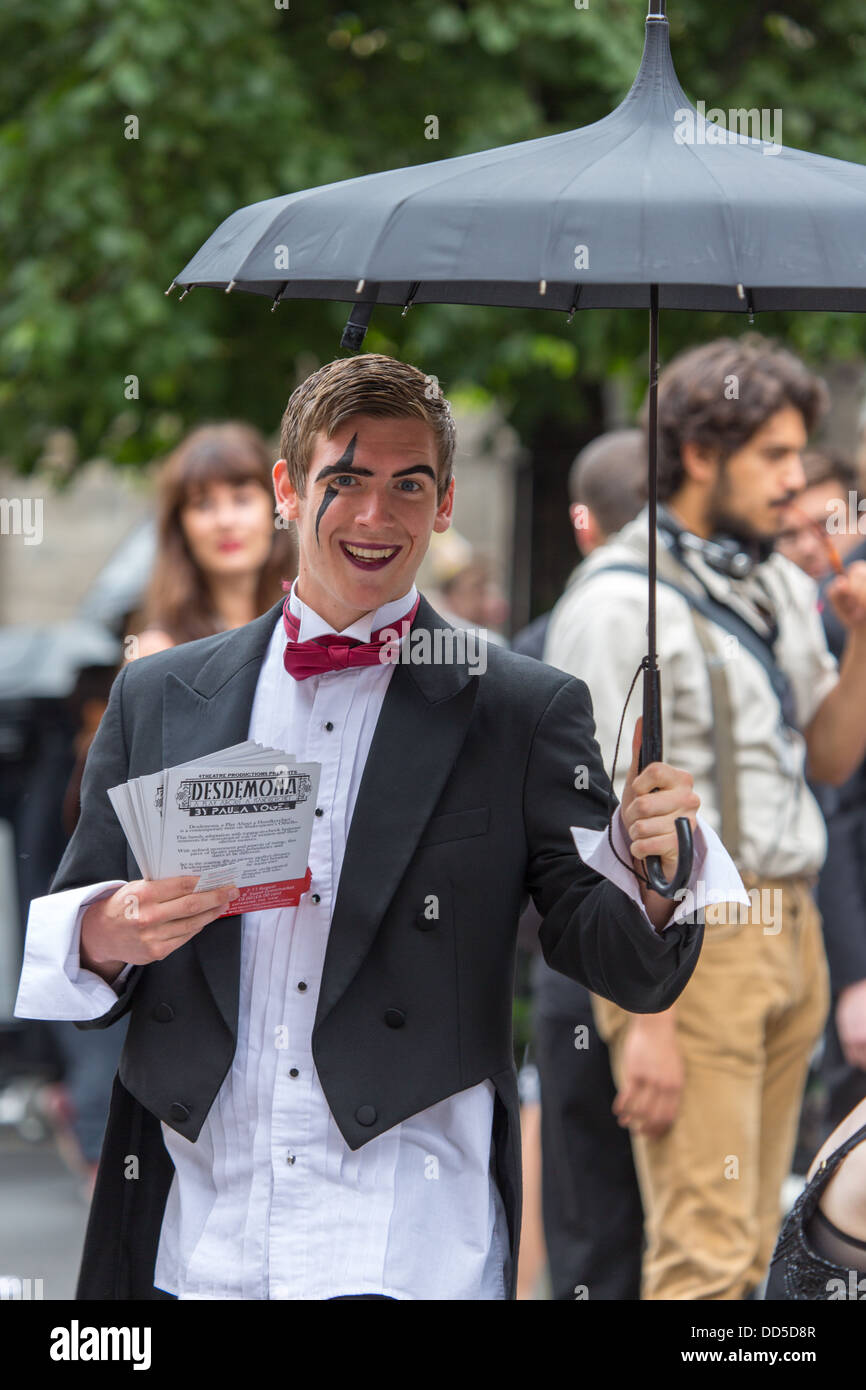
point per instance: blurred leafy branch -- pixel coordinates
(238, 100)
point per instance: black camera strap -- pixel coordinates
(732, 622)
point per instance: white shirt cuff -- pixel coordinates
(54, 984)
(714, 877)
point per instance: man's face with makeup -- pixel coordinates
(365, 520)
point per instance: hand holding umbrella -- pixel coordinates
(655, 801)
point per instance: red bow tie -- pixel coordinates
(335, 652)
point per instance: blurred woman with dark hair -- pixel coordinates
(221, 556)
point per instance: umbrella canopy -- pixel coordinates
(652, 194)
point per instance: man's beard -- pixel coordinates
(724, 521)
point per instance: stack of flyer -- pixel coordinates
(242, 815)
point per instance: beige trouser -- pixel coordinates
(746, 1024)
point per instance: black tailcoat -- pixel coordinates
(471, 784)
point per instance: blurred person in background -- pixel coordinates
(811, 521)
(606, 488)
(76, 1106)
(821, 1250)
(818, 525)
(592, 1215)
(711, 1089)
(219, 564)
(221, 556)
(467, 594)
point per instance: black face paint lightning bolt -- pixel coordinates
(343, 464)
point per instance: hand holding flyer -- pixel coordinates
(243, 814)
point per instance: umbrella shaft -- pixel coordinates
(653, 469)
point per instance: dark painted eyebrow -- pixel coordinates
(334, 468)
(416, 468)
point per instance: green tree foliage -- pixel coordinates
(240, 100)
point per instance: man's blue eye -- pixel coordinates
(343, 478)
(411, 482)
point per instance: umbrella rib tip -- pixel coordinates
(413, 290)
(744, 294)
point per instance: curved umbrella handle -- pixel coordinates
(651, 752)
(685, 848)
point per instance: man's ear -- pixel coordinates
(444, 510)
(284, 493)
(587, 532)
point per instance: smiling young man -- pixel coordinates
(321, 1100)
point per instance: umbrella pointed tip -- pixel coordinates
(171, 287)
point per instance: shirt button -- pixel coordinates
(294, 1072)
(290, 1158)
(329, 726)
(319, 811)
(302, 984)
(315, 898)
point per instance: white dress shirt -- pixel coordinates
(270, 1202)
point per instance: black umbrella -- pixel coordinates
(651, 206)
